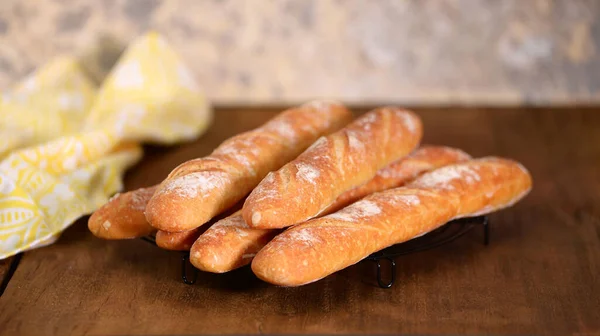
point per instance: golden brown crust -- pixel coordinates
(319, 247)
(123, 216)
(399, 172)
(183, 241)
(177, 241)
(305, 186)
(229, 244)
(199, 189)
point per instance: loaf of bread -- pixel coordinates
(396, 174)
(231, 243)
(199, 189)
(306, 186)
(319, 247)
(123, 216)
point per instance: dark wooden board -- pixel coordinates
(540, 275)
(6, 267)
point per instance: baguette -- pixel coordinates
(231, 243)
(122, 217)
(199, 189)
(350, 157)
(319, 247)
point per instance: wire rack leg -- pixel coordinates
(185, 257)
(380, 281)
(486, 231)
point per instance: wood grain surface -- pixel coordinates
(539, 275)
(288, 51)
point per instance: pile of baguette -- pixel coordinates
(310, 192)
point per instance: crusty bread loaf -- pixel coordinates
(231, 243)
(123, 216)
(228, 244)
(350, 157)
(319, 247)
(199, 189)
(399, 172)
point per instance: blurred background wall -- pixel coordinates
(485, 52)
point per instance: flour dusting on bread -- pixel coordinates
(195, 184)
(442, 177)
(366, 121)
(263, 191)
(409, 121)
(322, 141)
(283, 128)
(322, 110)
(410, 200)
(354, 142)
(322, 105)
(234, 220)
(357, 211)
(234, 224)
(140, 198)
(302, 236)
(250, 142)
(307, 172)
(256, 217)
(237, 155)
(106, 225)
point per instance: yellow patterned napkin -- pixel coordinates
(65, 144)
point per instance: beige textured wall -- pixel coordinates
(277, 52)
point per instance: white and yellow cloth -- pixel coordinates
(65, 144)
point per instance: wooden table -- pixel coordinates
(539, 275)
